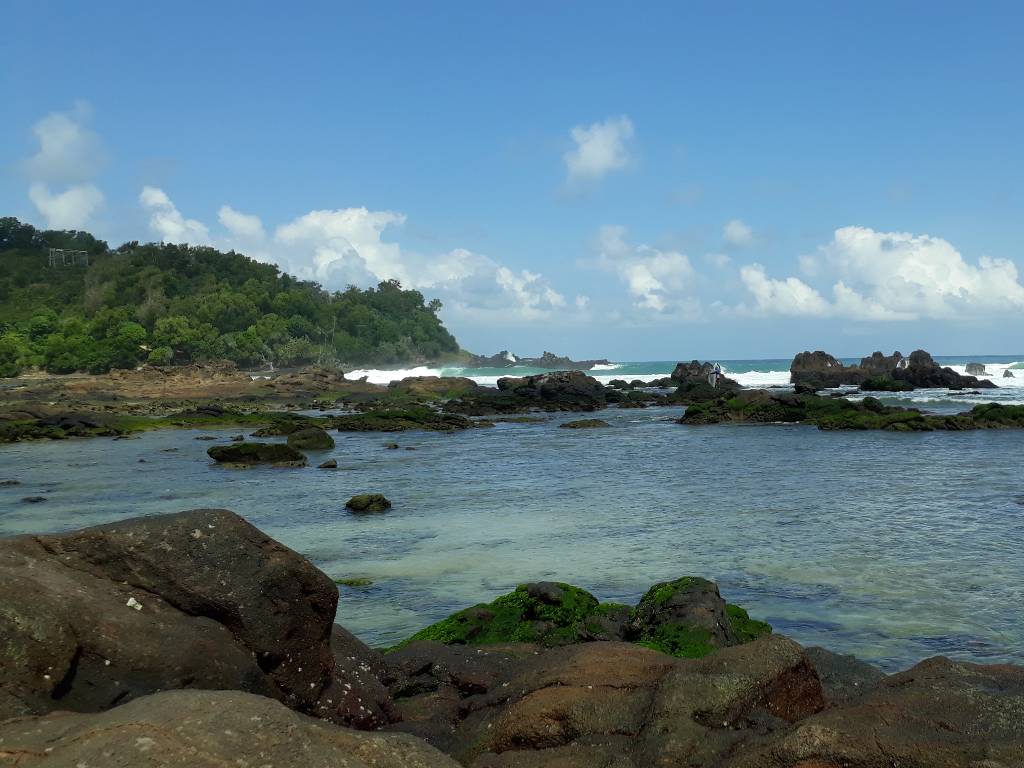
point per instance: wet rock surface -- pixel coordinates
(197, 599)
(204, 729)
(245, 454)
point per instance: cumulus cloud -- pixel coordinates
(70, 209)
(243, 225)
(69, 156)
(600, 148)
(890, 276)
(656, 279)
(167, 222)
(350, 246)
(69, 152)
(791, 296)
(921, 275)
(736, 233)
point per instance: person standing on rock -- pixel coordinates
(716, 374)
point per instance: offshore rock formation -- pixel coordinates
(811, 371)
(760, 406)
(193, 639)
(506, 359)
(692, 382)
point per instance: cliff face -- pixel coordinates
(811, 371)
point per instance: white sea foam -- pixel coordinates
(376, 376)
(609, 367)
(760, 379)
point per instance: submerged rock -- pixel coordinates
(310, 439)
(329, 464)
(1008, 374)
(206, 729)
(401, 420)
(585, 424)
(368, 502)
(246, 454)
(33, 499)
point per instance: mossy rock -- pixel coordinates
(585, 424)
(746, 628)
(368, 502)
(548, 613)
(687, 617)
(310, 439)
(245, 454)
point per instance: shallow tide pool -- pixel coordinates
(890, 546)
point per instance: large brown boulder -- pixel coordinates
(938, 714)
(198, 599)
(435, 386)
(583, 705)
(204, 729)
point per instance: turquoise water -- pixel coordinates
(890, 546)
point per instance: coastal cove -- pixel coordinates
(891, 546)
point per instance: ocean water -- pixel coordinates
(894, 547)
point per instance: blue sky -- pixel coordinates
(673, 180)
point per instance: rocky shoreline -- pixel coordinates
(124, 403)
(195, 639)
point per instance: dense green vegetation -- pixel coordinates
(174, 304)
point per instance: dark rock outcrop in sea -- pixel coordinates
(811, 371)
(143, 643)
(976, 369)
(506, 359)
(692, 382)
(761, 406)
(556, 391)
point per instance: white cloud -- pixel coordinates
(69, 152)
(720, 260)
(243, 225)
(167, 222)
(70, 209)
(347, 246)
(69, 155)
(600, 148)
(736, 233)
(656, 279)
(791, 296)
(886, 276)
(920, 275)
(809, 266)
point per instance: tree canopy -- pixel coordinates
(174, 304)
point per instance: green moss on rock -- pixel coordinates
(746, 628)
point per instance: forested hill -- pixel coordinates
(171, 304)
